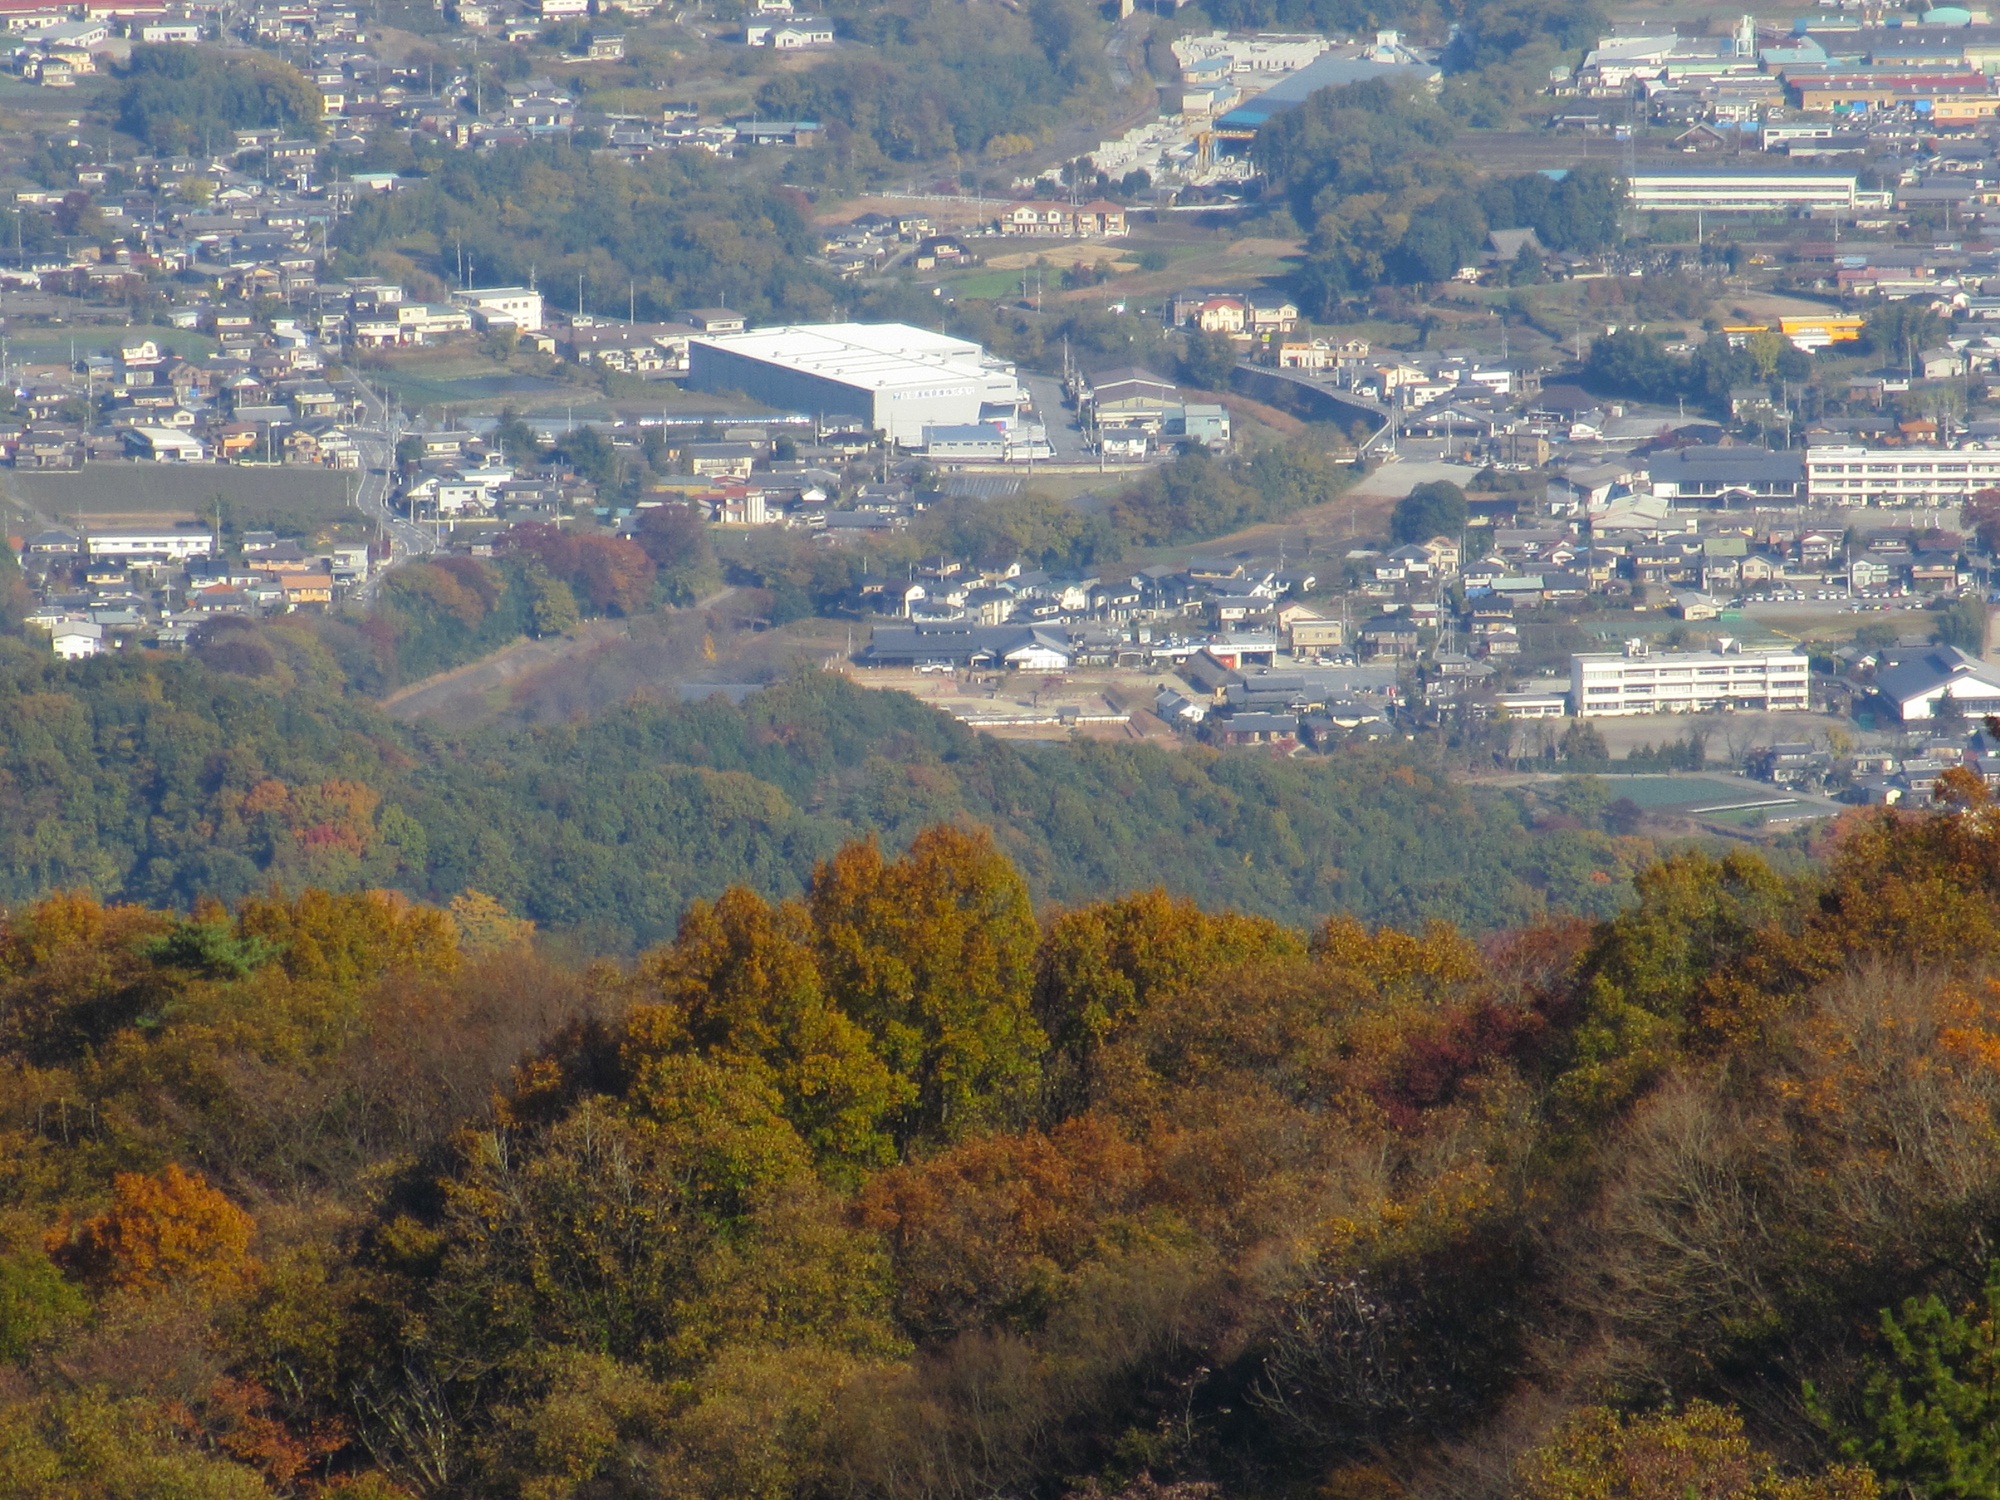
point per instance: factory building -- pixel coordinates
(887, 377)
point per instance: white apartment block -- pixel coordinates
(1743, 193)
(169, 546)
(1843, 475)
(519, 305)
(1642, 681)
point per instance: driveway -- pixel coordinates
(1065, 436)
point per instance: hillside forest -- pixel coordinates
(250, 762)
(1376, 176)
(908, 1187)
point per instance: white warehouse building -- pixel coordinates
(890, 377)
(1639, 680)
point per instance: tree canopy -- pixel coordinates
(906, 1188)
(1371, 172)
(179, 99)
(164, 780)
(687, 232)
(1434, 508)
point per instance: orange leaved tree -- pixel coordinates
(167, 1229)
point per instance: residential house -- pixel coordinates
(1280, 730)
(1310, 632)
(722, 460)
(1391, 636)
(306, 589)
(73, 640)
(1230, 315)
(1095, 220)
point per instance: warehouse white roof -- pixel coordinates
(872, 356)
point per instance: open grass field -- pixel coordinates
(296, 502)
(1678, 793)
(984, 285)
(1232, 263)
(1723, 803)
(29, 343)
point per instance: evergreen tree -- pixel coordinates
(1930, 1411)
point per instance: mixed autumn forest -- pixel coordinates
(906, 1187)
(255, 761)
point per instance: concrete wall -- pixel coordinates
(1304, 398)
(903, 415)
(713, 369)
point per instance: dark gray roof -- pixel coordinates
(1327, 71)
(954, 641)
(1740, 465)
(1904, 675)
(1331, 682)
(1260, 723)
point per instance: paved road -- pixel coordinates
(1397, 480)
(378, 464)
(1065, 436)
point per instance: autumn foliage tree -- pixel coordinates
(610, 574)
(165, 1229)
(1599, 1454)
(933, 956)
(895, 1189)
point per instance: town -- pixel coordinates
(999, 750)
(1702, 422)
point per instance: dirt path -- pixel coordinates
(479, 680)
(495, 683)
(1319, 532)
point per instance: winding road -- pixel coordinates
(377, 443)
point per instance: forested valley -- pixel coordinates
(907, 1186)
